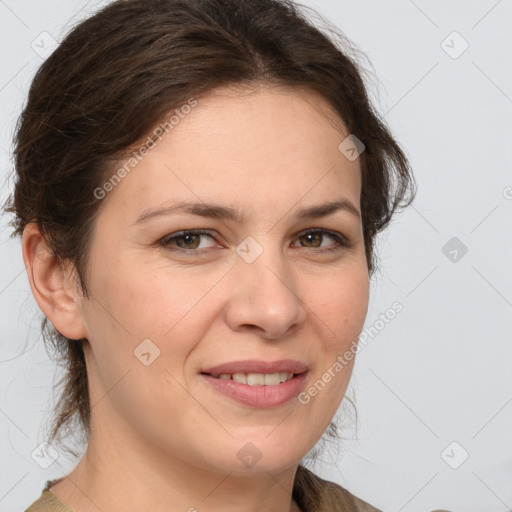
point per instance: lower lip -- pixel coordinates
(259, 396)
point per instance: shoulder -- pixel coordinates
(48, 502)
(314, 494)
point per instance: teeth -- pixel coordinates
(283, 376)
(258, 379)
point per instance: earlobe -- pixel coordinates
(53, 286)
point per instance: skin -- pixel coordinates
(161, 437)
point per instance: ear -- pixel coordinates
(54, 287)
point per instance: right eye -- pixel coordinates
(185, 241)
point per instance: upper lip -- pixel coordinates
(257, 366)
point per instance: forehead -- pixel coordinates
(294, 113)
(247, 143)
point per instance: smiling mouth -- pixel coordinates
(256, 379)
(257, 390)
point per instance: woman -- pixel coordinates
(199, 187)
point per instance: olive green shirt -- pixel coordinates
(312, 494)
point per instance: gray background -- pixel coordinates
(433, 388)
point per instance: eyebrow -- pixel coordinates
(214, 211)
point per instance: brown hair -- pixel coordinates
(117, 74)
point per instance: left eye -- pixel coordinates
(313, 235)
(190, 240)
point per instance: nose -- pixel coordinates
(264, 298)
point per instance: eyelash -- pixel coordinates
(341, 241)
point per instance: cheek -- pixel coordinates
(142, 313)
(341, 303)
(151, 303)
(170, 310)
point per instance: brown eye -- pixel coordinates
(313, 239)
(189, 241)
(186, 241)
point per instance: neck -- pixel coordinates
(122, 473)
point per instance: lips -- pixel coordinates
(257, 366)
(259, 397)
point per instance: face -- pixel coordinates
(274, 284)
